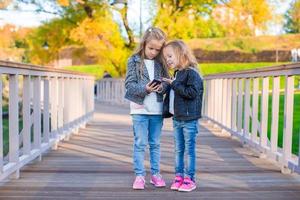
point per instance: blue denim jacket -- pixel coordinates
(135, 83)
(188, 90)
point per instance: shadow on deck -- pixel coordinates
(97, 164)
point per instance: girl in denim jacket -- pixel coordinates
(183, 101)
(146, 103)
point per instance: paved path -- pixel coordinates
(97, 164)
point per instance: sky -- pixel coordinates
(30, 19)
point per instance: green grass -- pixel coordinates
(296, 121)
(213, 68)
(246, 44)
(6, 134)
(95, 70)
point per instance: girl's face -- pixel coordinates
(170, 57)
(153, 48)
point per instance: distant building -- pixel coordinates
(72, 55)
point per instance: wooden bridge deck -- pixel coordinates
(97, 164)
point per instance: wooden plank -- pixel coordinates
(97, 164)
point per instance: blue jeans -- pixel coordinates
(185, 133)
(146, 130)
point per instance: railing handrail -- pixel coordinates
(24, 66)
(285, 69)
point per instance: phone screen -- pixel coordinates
(155, 82)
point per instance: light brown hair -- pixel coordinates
(185, 56)
(152, 33)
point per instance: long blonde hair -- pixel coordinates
(152, 33)
(185, 56)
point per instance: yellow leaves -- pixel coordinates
(63, 2)
(4, 3)
(67, 2)
(102, 38)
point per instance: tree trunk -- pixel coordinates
(123, 12)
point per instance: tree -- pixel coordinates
(87, 23)
(243, 17)
(56, 34)
(292, 17)
(102, 37)
(187, 18)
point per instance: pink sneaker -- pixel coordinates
(139, 183)
(157, 180)
(187, 185)
(177, 183)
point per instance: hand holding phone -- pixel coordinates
(155, 82)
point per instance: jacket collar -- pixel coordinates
(157, 65)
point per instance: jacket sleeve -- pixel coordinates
(131, 81)
(191, 89)
(165, 85)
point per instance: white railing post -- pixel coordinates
(288, 120)
(219, 100)
(60, 116)
(264, 113)
(67, 102)
(14, 117)
(234, 105)
(246, 108)
(206, 99)
(224, 101)
(254, 110)
(26, 116)
(240, 107)
(46, 116)
(54, 107)
(37, 113)
(214, 109)
(229, 103)
(275, 113)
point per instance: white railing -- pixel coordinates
(54, 102)
(111, 91)
(228, 104)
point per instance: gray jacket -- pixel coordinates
(135, 83)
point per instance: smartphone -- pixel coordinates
(155, 82)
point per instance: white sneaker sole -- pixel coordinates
(158, 186)
(186, 190)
